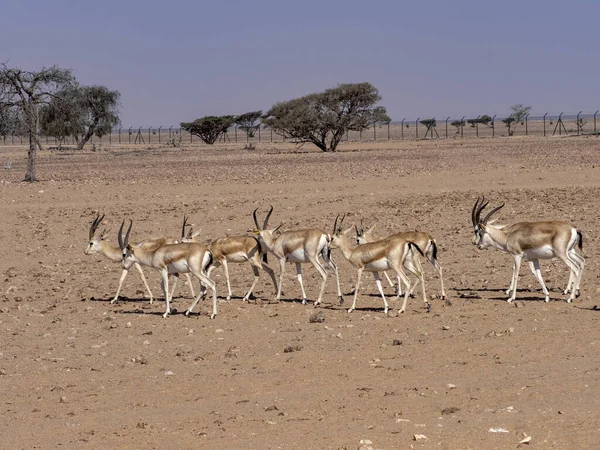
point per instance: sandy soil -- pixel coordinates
(78, 372)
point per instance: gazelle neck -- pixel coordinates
(111, 251)
(497, 237)
(345, 247)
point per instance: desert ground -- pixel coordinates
(473, 373)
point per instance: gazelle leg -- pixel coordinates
(378, 283)
(255, 267)
(281, 271)
(188, 279)
(358, 275)
(299, 275)
(389, 280)
(175, 280)
(538, 275)
(404, 279)
(165, 285)
(438, 268)
(574, 266)
(577, 280)
(123, 276)
(271, 273)
(143, 277)
(226, 269)
(332, 265)
(206, 282)
(317, 265)
(416, 269)
(516, 268)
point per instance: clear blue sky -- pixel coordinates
(179, 60)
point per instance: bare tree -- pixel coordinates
(27, 91)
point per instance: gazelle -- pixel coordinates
(386, 254)
(188, 257)
(532, 241)
(98, 244)
(424, 241)
(234, 249)
(299, 247)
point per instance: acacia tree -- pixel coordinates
(209, 128)
(27, 91)
(81, 111)
(323, 118)
(249, 122)
(519, 112)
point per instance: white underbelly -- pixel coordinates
(178, 267)
(238, 257)
(545, 252)
(298, 255)
(377, 266)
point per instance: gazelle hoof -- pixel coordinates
(350, 310)
(509, 299)
(400, 311)
(213, 315)
(577, 294)
(187, 313)
(304, 301)
(341, 300)
(428, 306)
(385, 311)
(113, 301)
(166, 314)
(547, 299)
(443, 297)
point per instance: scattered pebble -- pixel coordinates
(498, 430)
(419, 437)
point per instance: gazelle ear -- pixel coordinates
(195, 234)
(278, 227)
(348, 230)
(370, 229)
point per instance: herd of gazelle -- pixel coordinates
(397, 253)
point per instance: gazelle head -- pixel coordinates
(127, 250)
(190, 235)
(95, 242)
(481, 238)
(263, 232)
(363, 235)
(338, 233)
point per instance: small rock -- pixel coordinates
(397, 342)
(419, 437)
(448, 411)
(451, 386)
(219, 330)
(527, 440)
(63, 400)
(190, 331)
(169, 373)
(498, 430)
(317, 317)
(146, 342)
(128, 325)
(445, 328)
(511, 330)
(292, 348)
(271, 408)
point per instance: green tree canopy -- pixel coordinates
(81, 111)
(249, 122)
(209, 128)
(323, 118)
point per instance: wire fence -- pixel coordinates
(419, 128)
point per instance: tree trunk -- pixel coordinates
(87, 135)
(30, 176)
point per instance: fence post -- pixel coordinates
(235, 133)
(494, 125)
(191, 137)
(417, 128)
(477, 126)
(402, 124)
(578, 114)
(271, 130)
(374, 132)
(447, 119)
(462, 126)
(388, 124)
(558, 123)
(595, 121)
(149, 131)
(526, 125)
(159, 134)
(259, 133)
(545, 124)
(129, 142)
(170, 128)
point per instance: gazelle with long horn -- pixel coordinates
(424, 241)
(234, 249)
(379, 256)
(167, 259)
(98, 244)
(532, 241)
(300, 247)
